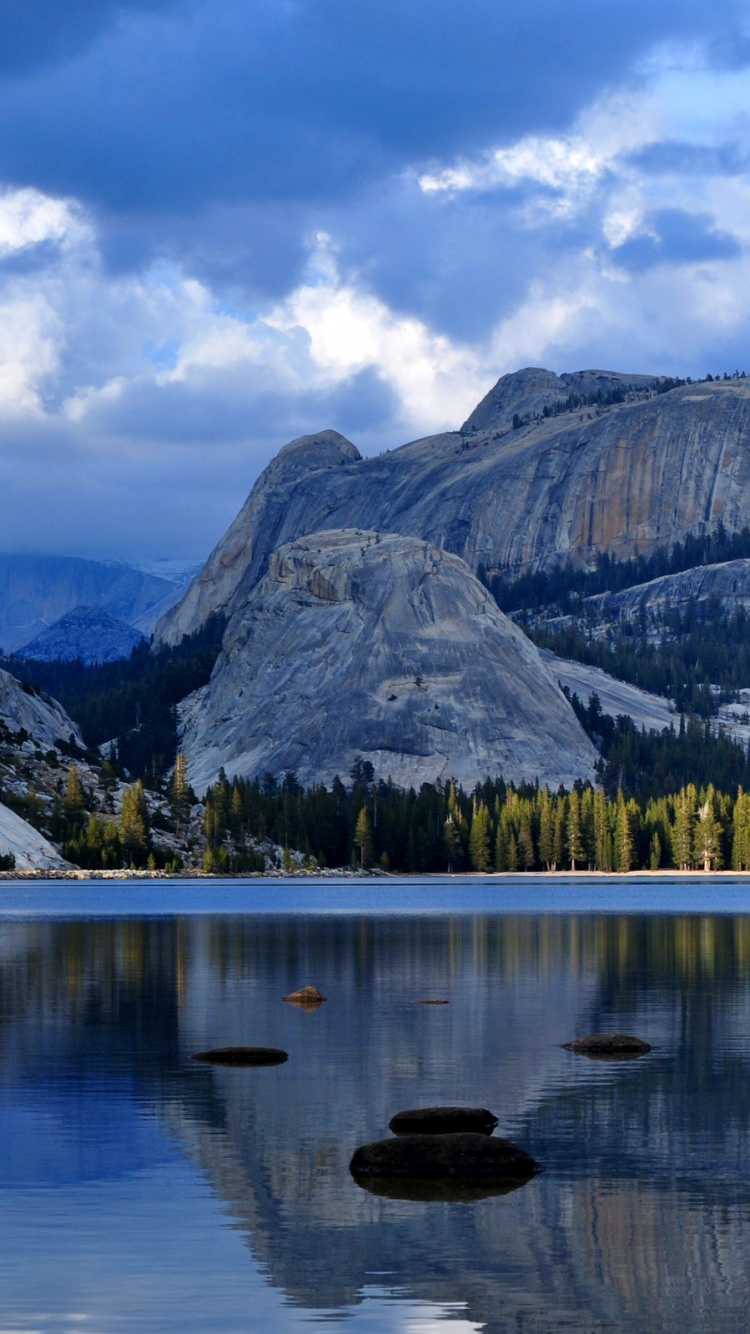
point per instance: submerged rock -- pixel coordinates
(609, 1046)
(243, 1056)
(432, 1002)
(307, 998)
(443, 1121)
(464, 1156)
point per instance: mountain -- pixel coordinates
(88, 633)
(35, 591)
(356, 643)
(616, 465)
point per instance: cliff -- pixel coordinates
(386, 647)
(623, 477)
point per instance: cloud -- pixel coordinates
(223, 226)
(672, 236)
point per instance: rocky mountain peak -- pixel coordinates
(324, 449)
(528, 392)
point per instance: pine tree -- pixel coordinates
(602, 837)
(452, 843)
(683, 827)
(479, 838)
(134, 823)
(624, 850)
(707, 835)
(363, 838)
(576, 851)
(179, 794)
(546, 830)
(74, 795)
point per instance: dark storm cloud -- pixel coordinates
(260, 99)
(679, 238)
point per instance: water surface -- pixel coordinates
(141, 1191)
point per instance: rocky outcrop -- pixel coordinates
(529, 392)
(385, 647)
(87, 633)
(31, 850)
(45, 721)
(726, 584)
(625, 478)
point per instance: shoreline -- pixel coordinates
(345, 873)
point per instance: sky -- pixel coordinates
(225, 224)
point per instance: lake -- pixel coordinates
(142, 1191)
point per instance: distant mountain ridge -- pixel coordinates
(36, 591)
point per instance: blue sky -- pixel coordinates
(225, 224)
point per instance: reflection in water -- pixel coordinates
(640, 1221)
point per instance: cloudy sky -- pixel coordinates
(224, 223)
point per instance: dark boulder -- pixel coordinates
(443, 1121)
(243, 1056)
(307, 998)
(609, 1046)
(463, 1156)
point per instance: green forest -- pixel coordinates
(497, 827)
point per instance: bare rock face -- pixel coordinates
(31, 850)
(43, 718)
(235, 566)
(530, 391)
(626, 479)
(726, 584)
(382, 646)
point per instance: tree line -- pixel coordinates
(565, 586)
(497, 827)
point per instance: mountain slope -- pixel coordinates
(384, 647)
(625, 478)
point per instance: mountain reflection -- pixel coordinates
(638, 1222)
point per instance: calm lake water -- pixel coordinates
(140, 1191)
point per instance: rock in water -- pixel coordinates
(386, 647)
(307, 998)
(443, 1121)
(624, 477)
(615, 1046)
(435, 1157)
(243, 1056)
